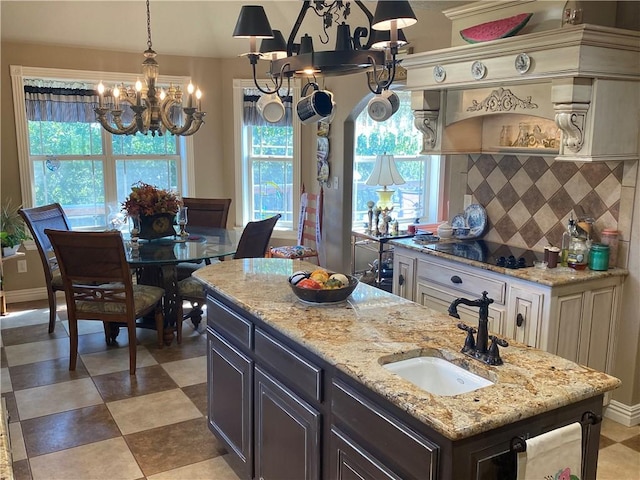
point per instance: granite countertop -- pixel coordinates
(375, 327)
(551, 277)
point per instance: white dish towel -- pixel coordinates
(555, 455)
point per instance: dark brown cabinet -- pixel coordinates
(287, 432)
(284, 413)
(230, 382)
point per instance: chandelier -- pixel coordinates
(154, 109)
(378, 53)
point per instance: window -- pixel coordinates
(267, 160)
(66, 156)
(418, 197)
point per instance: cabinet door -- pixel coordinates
(229, 400)
(349, 461)
(287, 432)
(403, 275)
(524, 316)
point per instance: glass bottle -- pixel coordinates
(566, 240)
(609, 237)
(578, 254)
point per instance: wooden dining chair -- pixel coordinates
(253, 243)
(98, 285)
(38, 219)
(309, 230)
(202, 212)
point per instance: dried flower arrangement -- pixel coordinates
(147, 199)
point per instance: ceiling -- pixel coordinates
(192, 28)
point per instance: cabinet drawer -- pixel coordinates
(223, 319)
(403, 450)
(463, 281)
(289, 365)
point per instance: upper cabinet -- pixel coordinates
(572, 93)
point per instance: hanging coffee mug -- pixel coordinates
(316, 106)
(383, 106)
(270, 107)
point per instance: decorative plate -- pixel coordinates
(476, 218)
(459, 221)
(439, 73)
(523, 63)
(478, 70)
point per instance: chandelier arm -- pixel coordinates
(374, 75)
(296, 26)
(277, 82)
(193, 120)
(129, 130)
(369, 16)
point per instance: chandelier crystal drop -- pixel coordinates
(151, 106)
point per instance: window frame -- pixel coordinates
(242, 170)
(186, 173)
(432, 185)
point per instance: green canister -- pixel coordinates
(599, 257)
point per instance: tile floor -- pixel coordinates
(100, 423)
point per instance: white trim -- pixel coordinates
(627, 415)
(27, 295)
(19, 73)
(241, 180)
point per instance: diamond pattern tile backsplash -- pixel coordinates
(529, 198)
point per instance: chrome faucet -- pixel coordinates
(479, 348)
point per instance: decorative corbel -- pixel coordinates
(571, 119)
(427, 121)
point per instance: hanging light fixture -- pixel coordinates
(350, 54)
(154, 110)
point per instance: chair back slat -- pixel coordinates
(255, 237)
(38, 219)
(91, 258)
(207, 212)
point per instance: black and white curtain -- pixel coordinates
(55, 101)
(251, 116)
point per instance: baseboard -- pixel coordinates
(627, 415)
(26, 295)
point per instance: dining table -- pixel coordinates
(156, 262)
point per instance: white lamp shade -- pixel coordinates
(385, 172)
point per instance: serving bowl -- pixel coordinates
(335, 295)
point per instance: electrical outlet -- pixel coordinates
(467, 200)
(335, 183)
(22, 266)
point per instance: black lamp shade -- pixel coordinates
(252, 22)
(382, 38)
(387, 11)
(274, 46)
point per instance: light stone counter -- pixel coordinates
(551, 277)
(373, 327)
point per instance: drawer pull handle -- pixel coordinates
(519, 320)
(400, 279)
(456, 279)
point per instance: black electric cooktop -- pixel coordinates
(489, 252)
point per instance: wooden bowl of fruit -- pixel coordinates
(321, 286)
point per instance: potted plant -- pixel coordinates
(13, 230)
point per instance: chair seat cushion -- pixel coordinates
(190, 288)
(293, 251)
(144, 297)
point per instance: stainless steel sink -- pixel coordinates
(437, 376)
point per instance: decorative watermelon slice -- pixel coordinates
(506, 27)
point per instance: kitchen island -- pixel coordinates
(299, 390)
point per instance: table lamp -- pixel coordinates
(384, 174)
